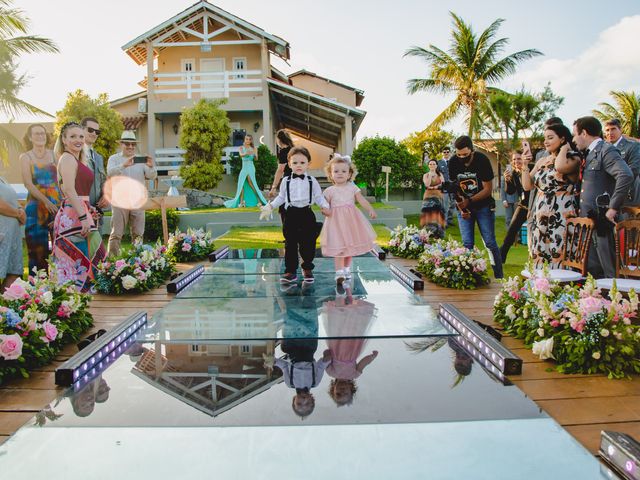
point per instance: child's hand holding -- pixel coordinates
(372, 214)
(326, 212)
(266, 211)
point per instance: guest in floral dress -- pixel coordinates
(77, 246)
(40, 179)
(555, 177)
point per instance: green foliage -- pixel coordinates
(202, 175)
(266, 165)
(468, 69)
(627, 110)
(79, 105)
(431, 141)
(205, 132)
(372, 153)
(153, 223)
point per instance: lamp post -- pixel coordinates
(386, 170)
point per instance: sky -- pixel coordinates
(589, 49)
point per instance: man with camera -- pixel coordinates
(603, 171)
(139, 168)
(472, 174)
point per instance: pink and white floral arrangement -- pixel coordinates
(578, 327)
(410, 241)
(451, 265)
(190, 246)
(37, 318)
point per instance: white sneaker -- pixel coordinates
(347, 273)
(341, 275)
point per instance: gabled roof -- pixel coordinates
(359, 93)
(136, 48)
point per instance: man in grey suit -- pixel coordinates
(603, 170)
(630, 151)
(95, 162)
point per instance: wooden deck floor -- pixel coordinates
(582, 404)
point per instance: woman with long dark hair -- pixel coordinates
(556, 179)
(248, 193)
(285, 143)
(432, 213)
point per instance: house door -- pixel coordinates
(212, 82)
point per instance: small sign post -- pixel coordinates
(387, 171)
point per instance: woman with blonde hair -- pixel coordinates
(77, 246)
(39, 176)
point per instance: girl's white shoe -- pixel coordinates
(341, 275)
(347, 273)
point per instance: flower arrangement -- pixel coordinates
(451, 265)
(191, 246)
(582, 330)
(137, 269)
(409, 242)
(37, 318)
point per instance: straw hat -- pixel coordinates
(128, 136)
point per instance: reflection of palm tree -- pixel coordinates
(627, 110)
(467, 69)
(14, 41)
(431, 344)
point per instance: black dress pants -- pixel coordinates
(300, 234)
(517, 220)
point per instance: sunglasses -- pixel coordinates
(129, 144)
(93, 130)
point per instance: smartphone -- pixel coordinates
(140, 159)
(525, 145)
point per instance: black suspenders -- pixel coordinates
(313, 374)
(310, 191)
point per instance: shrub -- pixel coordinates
(202, 175)
(153, 223)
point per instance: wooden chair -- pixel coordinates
(575, 252)
(627, 236)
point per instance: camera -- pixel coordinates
(450, 186)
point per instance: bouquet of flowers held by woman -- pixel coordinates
(137, 269)
(37, 318)
(581, 329)
(191, 246)
(409, 242)
(451, 265)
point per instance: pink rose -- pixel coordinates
(514, 295)
(542, 285)
(554, 323)
(50, 332)
(186, 247)
(64, 311)
(10, 346)
(15, 292)
(589, 305)
(120, 264)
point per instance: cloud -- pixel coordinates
(611, 63)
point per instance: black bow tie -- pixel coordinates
(301, 177)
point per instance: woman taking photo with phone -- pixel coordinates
(556, 179)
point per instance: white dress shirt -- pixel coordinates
(593, 144)
(299, 191)
(302, 374)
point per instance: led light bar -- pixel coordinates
(507, 362)
(184, 279)
(477, 355)
(98, 354)
(409, 277)
(378, 252)
(219, 253)
(622, 453)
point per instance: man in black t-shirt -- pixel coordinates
(474, 174)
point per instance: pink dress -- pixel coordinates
(346, 233)
(346, 321)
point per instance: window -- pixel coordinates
(245, 349)
(197, 349)
(239, 63)
(186, 64)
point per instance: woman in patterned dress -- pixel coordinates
(39, 177)
(556, 179)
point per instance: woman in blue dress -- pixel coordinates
(248, 193)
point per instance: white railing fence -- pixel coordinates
(170, 159)
(217, 84)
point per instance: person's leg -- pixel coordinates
(607, 254)
(593, 263)
(309, 234)
(339, 263)
(466, 230)
(486, 223)
(136, 224)
(290, 232)
(518, 219)
(119, 218)
(508, 214)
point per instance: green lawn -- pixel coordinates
(376, 205)
(518, 254)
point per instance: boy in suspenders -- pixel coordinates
(297, 193)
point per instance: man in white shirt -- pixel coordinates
(297, 193)
(122, 164)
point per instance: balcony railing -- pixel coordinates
(213, 84)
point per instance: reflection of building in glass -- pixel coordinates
(212, 377)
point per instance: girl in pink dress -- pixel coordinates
(346, 233)
(348, 320)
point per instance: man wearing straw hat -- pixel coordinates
(125, 164)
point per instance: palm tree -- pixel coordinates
(627, 110)
(14, 41)
(467, 69)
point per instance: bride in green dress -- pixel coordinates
(248, 193)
